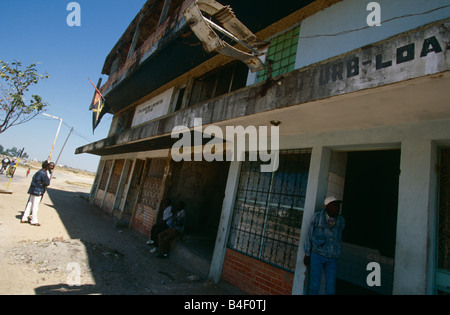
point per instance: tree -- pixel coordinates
(14, 152)
(15, 82)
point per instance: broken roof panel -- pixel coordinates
(172, 50)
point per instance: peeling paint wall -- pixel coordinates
(149, 196)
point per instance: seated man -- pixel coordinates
(161, 226)
(177, 229)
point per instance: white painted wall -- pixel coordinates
(351, 15)
(417, 192)
(411, 252)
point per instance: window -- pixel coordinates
(179, 99)
(268, 210)
(282, 53)
(227, 79)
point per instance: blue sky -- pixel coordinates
(36, 31)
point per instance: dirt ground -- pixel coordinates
(78, 249)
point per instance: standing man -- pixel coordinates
(37, 188)
(323, 246)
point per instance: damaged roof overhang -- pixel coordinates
(180, 52)
(148, 14)
(111, 146)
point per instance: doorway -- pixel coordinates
(201, 185)
(369, 190)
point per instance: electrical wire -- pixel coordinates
(382, 22)
(311, 37)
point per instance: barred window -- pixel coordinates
(268, 209)
(282, 52)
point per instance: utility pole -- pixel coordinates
(56, 163)
(57, 132)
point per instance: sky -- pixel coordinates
(36, 31)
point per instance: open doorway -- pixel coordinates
(367, 182)
(201, 185)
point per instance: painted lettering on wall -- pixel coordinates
(149, 108)
(153, 108)
(353, 66)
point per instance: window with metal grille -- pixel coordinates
(268, 210)
(443, 228)
(281, 53)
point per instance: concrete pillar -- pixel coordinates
(225, 221)
(315, 195)
(417, 167)
(136, 35)
(164, 12)
(127, 188)
(96, 184)
(107, 183)
(121, 186)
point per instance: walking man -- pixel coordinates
(323, 246)
(37, 188)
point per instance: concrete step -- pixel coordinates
(195, 253)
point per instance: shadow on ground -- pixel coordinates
(119, 261)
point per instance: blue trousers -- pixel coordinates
(329, 265)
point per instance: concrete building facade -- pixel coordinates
(360, 112)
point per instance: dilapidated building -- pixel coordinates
(362, 112)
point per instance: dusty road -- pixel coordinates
(78, 244)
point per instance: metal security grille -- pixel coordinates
(444, 212)
(443, 229)
(268, 209)
(282, 53)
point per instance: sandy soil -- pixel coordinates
(78, 250)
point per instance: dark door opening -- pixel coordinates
(370, 211)
(201, 185)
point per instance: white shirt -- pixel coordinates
(167, 214)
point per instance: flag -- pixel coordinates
(99, 107)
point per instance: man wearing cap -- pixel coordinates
(323, 245)
(37, 189)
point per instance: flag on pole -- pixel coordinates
(99, 107)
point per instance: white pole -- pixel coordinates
(57, 132)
